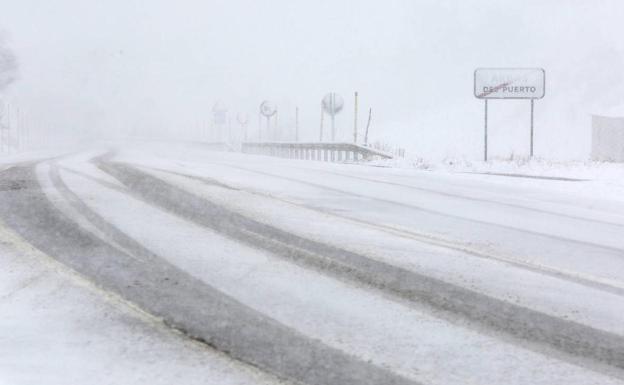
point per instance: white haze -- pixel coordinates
(102, 69)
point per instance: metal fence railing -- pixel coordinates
(328, 152)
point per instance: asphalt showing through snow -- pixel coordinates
(120, 264)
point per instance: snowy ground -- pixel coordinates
(601, 179)
(546, 247)
(58, 328)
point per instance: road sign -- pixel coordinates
(509, 83)
(219, 111)
(333, 103)
(268, 108)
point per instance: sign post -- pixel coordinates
(486, 134)
(332, 103)
(268, 109)
(509, 83)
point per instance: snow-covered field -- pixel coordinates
(549, 247)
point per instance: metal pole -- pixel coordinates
(485, 157)
(532, 103)
(229, 139)
(355, 119)
(8, 133)
(296, 124)
(276, 134)
(322, 116)
(332, 104)
(18, 130)
(370, 114)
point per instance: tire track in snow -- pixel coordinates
(432, 211)
(465, 197)
(526, 324)
(570, 276)
(181, 301)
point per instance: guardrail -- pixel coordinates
(328, 152)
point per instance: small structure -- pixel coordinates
(608, 136)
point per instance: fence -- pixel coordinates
(328, 152)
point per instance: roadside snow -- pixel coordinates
(603, 180)
(55, 328)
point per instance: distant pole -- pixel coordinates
(532, 107)
(229, 129)
(18, 129)
(259, 127)
(8, 133)
(276, 134)
(355, 118)
(1, 128)
(268, 125)
(322, 116)
(296, 124)
(332, 103)
(485, 147)
(370, 114)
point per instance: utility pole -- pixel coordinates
(355, 119)
(8, 133)
(332, 103)
(18, 130)
(370, 114)
(276, 134)
(322, 116)
(296, 124)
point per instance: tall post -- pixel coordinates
(532, 103)
(18, 129)
(355, 118)
(259, 127)
(322, 117)
(229, 137)
(8, 133)
(276, 133)
(485, 148)
(332, 104)
(370, 114)
(1, 129)
(268, 125)
(296, 124)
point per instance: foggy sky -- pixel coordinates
(115, 65)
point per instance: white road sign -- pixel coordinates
(509, 83)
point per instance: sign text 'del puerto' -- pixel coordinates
(509, 83)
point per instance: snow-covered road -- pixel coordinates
(329, 273)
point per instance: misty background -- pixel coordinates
(87, 69)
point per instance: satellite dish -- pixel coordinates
(268, 108)
(332, 103)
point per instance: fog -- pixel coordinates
(126, 68)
